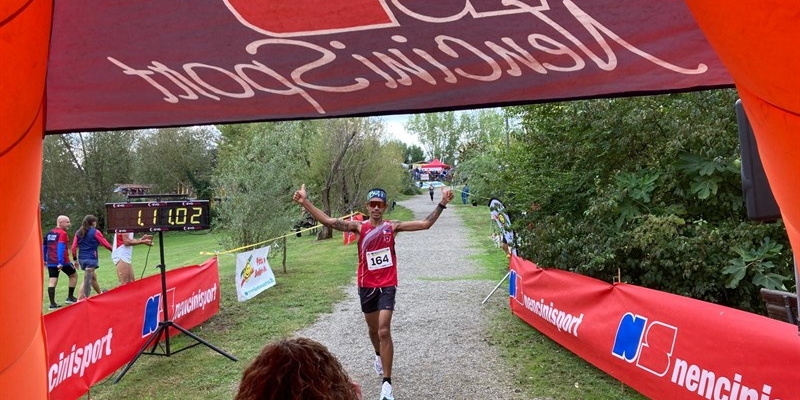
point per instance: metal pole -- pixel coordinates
(284, 254)
(164, 303)
(797, 289)
(496, 287)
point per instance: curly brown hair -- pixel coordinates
(295, 369)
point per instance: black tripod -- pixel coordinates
(165, 324)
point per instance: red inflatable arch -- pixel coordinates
(758, 42)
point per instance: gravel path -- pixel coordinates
(438, 324)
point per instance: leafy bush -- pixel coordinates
(649, 186)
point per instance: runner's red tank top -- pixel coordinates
(377, 262)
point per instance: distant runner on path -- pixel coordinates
(377, 268)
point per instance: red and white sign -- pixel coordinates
(663, 345)
(91, 339)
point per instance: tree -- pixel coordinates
(174, 160)
(439, 133)
(80, 170)
(62, 175)
(482, 153)
(256, 174)
(346, 159)
(411, 152)
(481, 131)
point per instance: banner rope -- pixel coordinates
(317, 226)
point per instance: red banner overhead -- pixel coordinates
(185, 62)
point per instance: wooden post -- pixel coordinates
(284, 254)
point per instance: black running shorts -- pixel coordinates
(374, 299)
(67, 269)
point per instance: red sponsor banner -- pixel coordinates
(187, 62)
(91, 339)
(350, 237)
(663, 345)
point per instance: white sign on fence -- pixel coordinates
(253, 273)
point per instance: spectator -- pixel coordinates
(296, 369)
(88, 239)
(56, 259)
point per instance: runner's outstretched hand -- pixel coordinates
(300, 195)
(447, 195)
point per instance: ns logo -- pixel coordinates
(154, 311)
(649, 345)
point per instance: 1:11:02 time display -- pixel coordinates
(158, 216)
(181, 214)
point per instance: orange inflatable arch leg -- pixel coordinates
(759, 43)
(24, 41)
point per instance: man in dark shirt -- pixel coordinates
(56, 258)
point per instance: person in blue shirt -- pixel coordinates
(88, 239)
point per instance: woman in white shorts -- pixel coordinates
(122, 253)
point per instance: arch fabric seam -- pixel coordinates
(16, 13)
(24, 133)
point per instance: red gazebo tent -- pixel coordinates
(434, 165)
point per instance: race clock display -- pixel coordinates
(158, 216)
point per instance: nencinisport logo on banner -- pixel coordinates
(650, 345)
(153, 311)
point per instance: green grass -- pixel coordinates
(541, 367)
(315, 274)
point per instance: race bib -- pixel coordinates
(379, 259)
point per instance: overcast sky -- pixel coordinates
(394, 125)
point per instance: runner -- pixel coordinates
(377, 269)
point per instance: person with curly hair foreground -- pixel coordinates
(296, 369)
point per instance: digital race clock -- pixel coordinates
(155, 216)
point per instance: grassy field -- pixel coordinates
(312, 284)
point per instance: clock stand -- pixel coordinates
(166, 323)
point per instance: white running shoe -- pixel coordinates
(378, 365)
(386, 391)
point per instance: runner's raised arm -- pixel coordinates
(300, 197)
(407, 226)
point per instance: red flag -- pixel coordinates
(350, 237)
